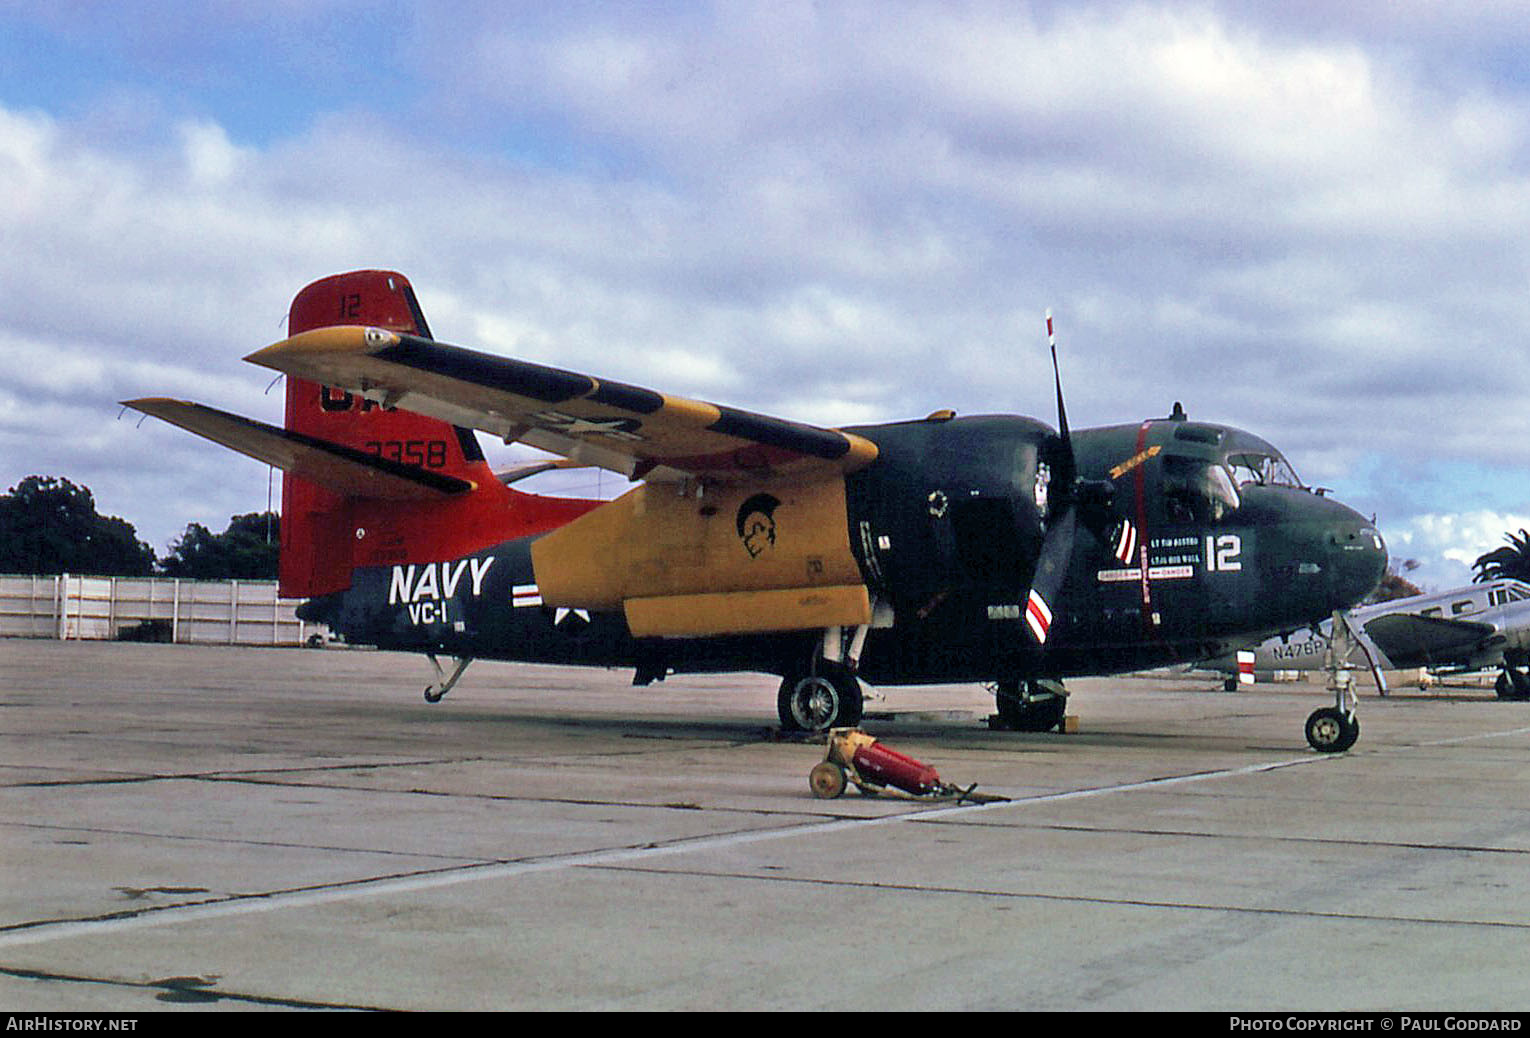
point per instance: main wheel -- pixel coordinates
(1520, 681)
(1331, 730)
(817, 702)
(1040, 712)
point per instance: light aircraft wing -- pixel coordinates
(1412, 640)
(637, 432)
(339, 468)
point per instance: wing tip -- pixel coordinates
(340, 338)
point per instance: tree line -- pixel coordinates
(49, 525)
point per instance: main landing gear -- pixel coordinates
(826, 693)
(1513, 681)
(1029, 706)
(827, 697)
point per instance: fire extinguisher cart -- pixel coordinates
(858, 758)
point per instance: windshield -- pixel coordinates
(1265, 470)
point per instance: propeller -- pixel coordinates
(1061, 519)
(1069, 500)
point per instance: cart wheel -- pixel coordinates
(827, 780)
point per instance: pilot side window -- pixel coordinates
(1198, 491)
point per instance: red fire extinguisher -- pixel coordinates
(888, 767)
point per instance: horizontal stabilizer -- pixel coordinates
(638, 432)
(345, 470)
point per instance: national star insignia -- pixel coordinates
(561, 614)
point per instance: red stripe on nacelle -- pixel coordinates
(1038, 615)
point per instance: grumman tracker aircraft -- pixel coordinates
(986, 549)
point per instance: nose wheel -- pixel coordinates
(1029, 706)
(1334, 729)
(1331, 730)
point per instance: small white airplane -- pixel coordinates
(1471, 628)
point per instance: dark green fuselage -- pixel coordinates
(947, 525)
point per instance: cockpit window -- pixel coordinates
(1265, 470)
(1208, 471)
(1198, 491)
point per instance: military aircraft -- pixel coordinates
(988, 548)
(1471, 628)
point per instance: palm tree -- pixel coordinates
(1512, 562)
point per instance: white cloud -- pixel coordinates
(211, 158)
(840, 216)
(1446, 544)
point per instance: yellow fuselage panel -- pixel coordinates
(748, 612)
(654, 542)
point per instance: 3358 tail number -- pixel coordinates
(429, 454)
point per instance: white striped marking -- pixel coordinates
(1038, 615)
(1126, 542)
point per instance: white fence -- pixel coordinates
(206, 612)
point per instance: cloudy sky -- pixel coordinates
(1307, 219)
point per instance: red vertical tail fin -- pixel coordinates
(325, 534)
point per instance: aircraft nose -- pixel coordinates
(1357, 557)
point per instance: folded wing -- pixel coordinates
(637, 432)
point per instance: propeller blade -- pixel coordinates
(1062, 517)
(1065, 478)
(1051, 571)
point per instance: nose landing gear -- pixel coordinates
(1029, 706)
(1334, 729)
